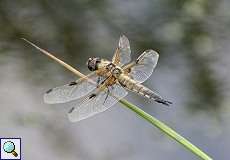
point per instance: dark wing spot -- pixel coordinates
(47, 92)
(71, 110)
(72, 83)
(92, 95)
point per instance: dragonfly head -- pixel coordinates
(92, 63)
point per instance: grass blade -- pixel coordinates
(167, 130)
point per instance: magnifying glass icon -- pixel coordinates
(9, 147)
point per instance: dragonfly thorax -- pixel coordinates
(110, 66)
(114, 69)
(116, 72)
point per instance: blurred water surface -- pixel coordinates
(192, 38)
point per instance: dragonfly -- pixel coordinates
(108, 82)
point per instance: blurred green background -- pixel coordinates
(192, 38)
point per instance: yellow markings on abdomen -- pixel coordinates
(134, 86)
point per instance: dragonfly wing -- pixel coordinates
(71, 91)
(97, 102)
(122, 54)
(142, 69)
(116, 57)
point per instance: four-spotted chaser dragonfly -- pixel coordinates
(107, 83)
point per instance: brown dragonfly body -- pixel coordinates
(107, 83)
(115, 74)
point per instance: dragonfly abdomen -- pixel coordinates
(140, 89)
(144, 91)
(134, 86)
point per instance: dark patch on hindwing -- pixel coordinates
(92, 96)
(72, 83)
(71, 110)
(50, 90)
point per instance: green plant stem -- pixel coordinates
(164, 128)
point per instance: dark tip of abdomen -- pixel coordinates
(162, 101)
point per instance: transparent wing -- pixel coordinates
(142, 69)
(97, 102)
(124, 50)
(71, 91)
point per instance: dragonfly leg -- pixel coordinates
(98, 81)
(104, 80)
(107, 95)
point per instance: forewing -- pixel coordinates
(122, 54)
(116, 57)
(71, 91)
(97, 102)
(142, 69)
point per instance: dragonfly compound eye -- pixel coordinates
(90, 64)
(93, 63)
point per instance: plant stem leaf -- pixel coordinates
(165, 129)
